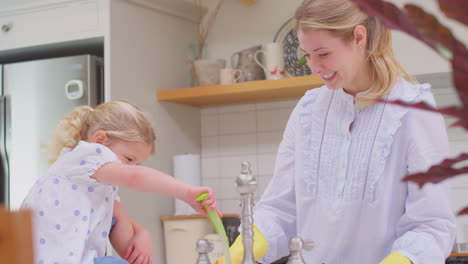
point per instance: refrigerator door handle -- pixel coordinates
(4, 146)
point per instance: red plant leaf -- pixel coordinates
(429, 27)
(460, 113)
(453, 111)
(439, 172)
(455, 9)
(391, 16)
(463, 211)
(394, 18)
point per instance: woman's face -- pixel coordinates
(340, 64)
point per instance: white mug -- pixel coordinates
(229, 75)
(207, 71)
(274, 61)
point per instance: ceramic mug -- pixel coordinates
(207, 71)
(244, 61)
(273, 60)
(229, 75)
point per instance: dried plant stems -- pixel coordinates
(204, 28)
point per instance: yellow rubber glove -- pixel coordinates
(396, 258)
(248, 2)
(260, 248)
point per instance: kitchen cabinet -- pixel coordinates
(181, 234)
(244, 92)
(32, 25)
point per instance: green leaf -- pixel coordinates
(446, 53)
(302, 61)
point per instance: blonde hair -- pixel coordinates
(120, 120)
(340, 17)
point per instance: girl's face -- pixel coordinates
(340, 64)
(130, 152)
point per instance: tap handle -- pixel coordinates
(245, 168)
(203, 248)
(297, 244)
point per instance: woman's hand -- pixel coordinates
(140, 250)
(193, 192)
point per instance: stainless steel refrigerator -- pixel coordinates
(35, 96)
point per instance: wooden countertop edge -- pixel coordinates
(195, 216)
(464, 254)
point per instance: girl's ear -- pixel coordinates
(99, 137)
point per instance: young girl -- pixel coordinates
(98, 150)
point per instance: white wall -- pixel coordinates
(148, 52)
(232, 134)
(239, 26)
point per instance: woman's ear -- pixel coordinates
(360, 36)
(99, 137)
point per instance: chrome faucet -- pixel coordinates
(203, 248)
(246, 185)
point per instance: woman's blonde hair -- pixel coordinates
(120, 120)
(340, 17)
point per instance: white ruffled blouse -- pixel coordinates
(341, 188)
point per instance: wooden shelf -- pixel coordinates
(244, 92)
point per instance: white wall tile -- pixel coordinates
(266, 164)
(228, 188)
(209, 110)
(460, 182)
(262, 183)
(277, 104)
(231, 166)
(242, 144)
(236, 108)
(460, 201)
(210, 146)
(272, 120)
(459, 198)
(210, 167)
(236, 123)
(231, 206)
(268, 142)
(209, 125)
(214, 184)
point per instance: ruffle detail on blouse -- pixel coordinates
(311, 119)
(391, 122)
(79, 164)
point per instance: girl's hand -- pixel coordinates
(140, 250)
(192, 194)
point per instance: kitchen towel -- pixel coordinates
(186, 169)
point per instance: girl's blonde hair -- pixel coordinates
(340, 17)
(120, 120)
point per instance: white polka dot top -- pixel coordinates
(72, 211)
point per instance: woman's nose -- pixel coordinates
(315, 67)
